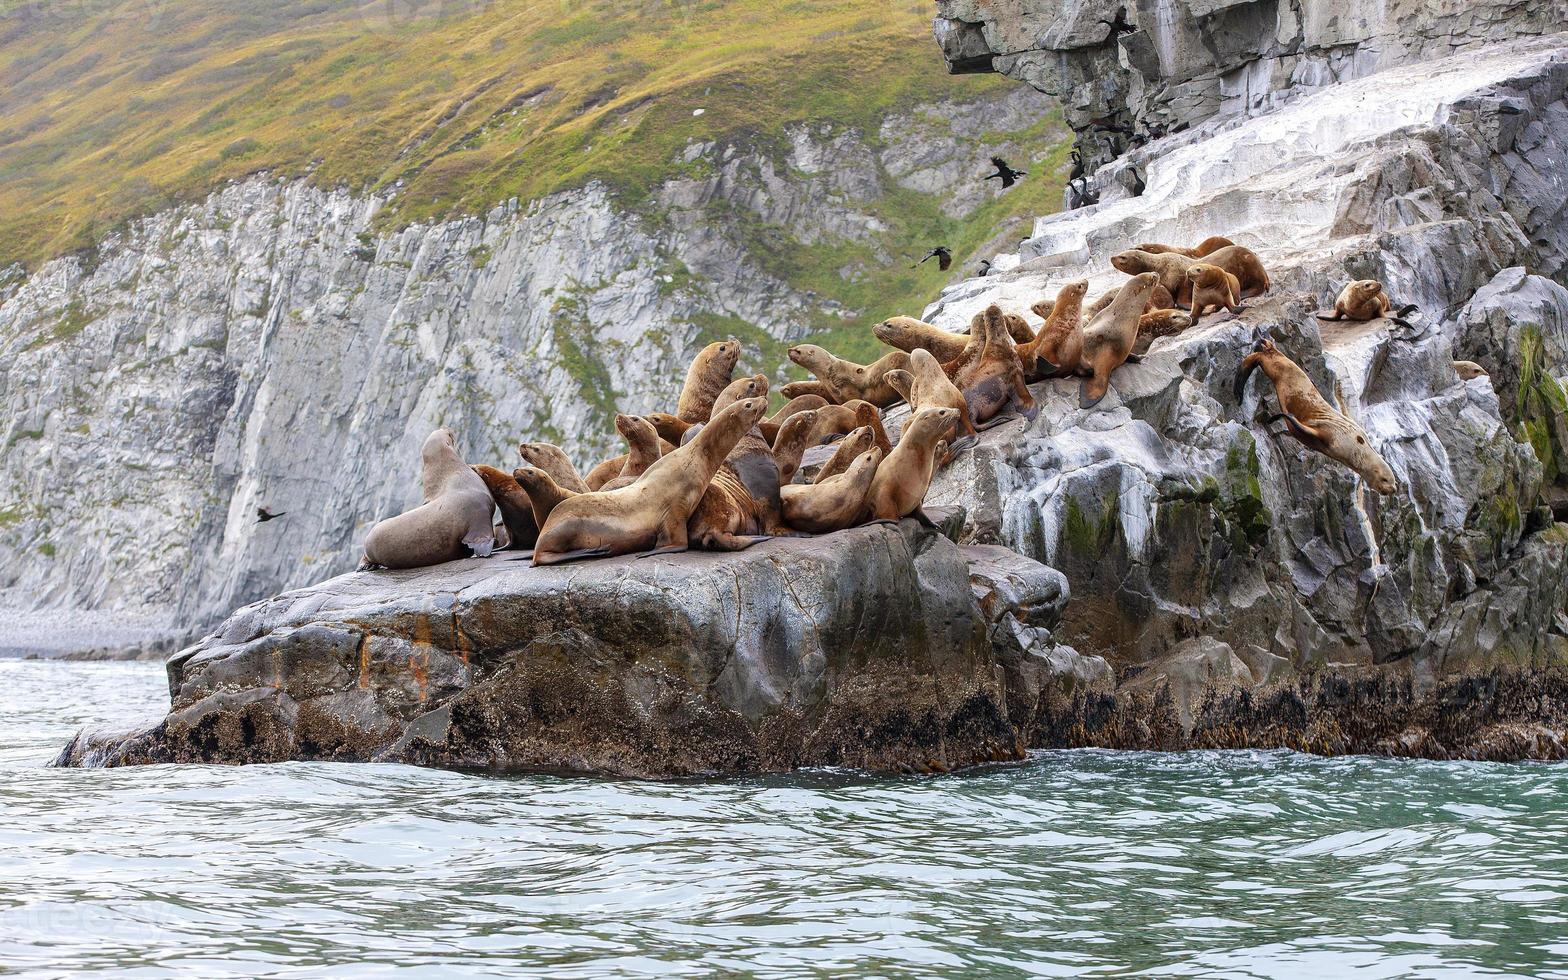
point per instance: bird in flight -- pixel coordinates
(943, 256)
(1008, 174)
(263, 515)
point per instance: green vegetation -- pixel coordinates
(1542, 407)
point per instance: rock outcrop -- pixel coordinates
(884, 648)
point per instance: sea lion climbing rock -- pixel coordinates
(904, 475)
(452, 523)
(1108, 339)
(517, 509)
(1311, 420)
(834, 503)
(1059, 342)
(707, 376)
(651, 514)
(849, 380)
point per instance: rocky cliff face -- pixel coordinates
(271, 346)
(1175, 513)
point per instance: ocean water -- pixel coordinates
(1233, 864)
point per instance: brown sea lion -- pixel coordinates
(790, 444)
(1311, 420)
(1172, 268)
(542, 490)
(1059, 342)
(926, 385)
(651, 514)
(1212, 286)
(849, 447)
(1211, 244)
(1157, 324)
(670, 428)
(1108, 339)
(908, 335)
(1018, 328)
(1160, 299)
(836, 420)
(741, 504)
(849, 380)
(800, 403)
(646, 448)
(517, 510)
(554, 461)
(995, 381)
(1469, 370)
(1364, 299)
(834, 503)
(710, 371)
(812, 387)
(901, 481)
(453, 522)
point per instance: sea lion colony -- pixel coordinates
(718, 474)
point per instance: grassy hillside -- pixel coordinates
(113, 109)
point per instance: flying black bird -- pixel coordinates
(1008, 174)
(943, 256)
(1119, 26)
(1077, 165)
(1137, 182)
(263, 515)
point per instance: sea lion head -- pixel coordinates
(531, 477)
(1203, 274)
(858, 440)
(1139, 288)
(497, 481)
(741, 388)
(637, 431)
(669, 427)
(438, 445)
(1072, 292)
(722, 354)
(753, 409)
(900, 381)
(1469, 370)
(810, 356)
(895, 329)
(1350, 445)
(865, 412)
(1132, 261)
(1362, 290)
(929, 423)
(539, 453)
(863, 467)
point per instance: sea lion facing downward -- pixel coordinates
(710, 371)
(901, 481)
(834, 503)
(1311, 420)
(517, 510)
(651, 514)
(1108, 339)
(453, 521)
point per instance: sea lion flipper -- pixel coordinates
(1304, 433)
(480, 544)
(1086, 397)
(1138, 358)
(672, 549)
(1243, 372)
(962, 444)
(520, 555)
(923, 518)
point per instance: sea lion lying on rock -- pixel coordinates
(651, 514)
(834, 503)
(1311, 420)
(1171, 267)
(453, 522)
(1208, 246)
(909, 335)
(849, 380)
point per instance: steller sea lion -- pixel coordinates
(1209, 245)
(1212, 286)
(1060, 340)
(834, 503)
(670, 428)
(1364, 299)
(741, 503)
(554, 461)
(1160, 299)
(849, 380)
(901, 481)
(800, 403)
(1469, 370)
(542, 490)
(836, 420)
(710, 371)
(517, 510)
(1108, 339)
(909, 335)
(1157, 324)
(926, 385)
(1311, 420)
(790, 444)
(995, 380)
(651, 514)
(454, 520)
(849, 447)
(643, 440)
(812, 387)
(1172, 268)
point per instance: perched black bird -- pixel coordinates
(1078, 167)
(1008, 174)
(1118, 27)
(943, 256)
(263, 515)
(1137, 182)
(1081, 195)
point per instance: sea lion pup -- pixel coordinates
(795, 389)
(995, 382)
(908, 334)
(453, 522)
(1172, 268)
(517, 509)
(643, 440)
(1212, 286)
(926, 385)
(1310, 418)
(1060, 340)
(790, 445)
(901, 481)
(1160, 299)
(1208, 246)
(1108, 339)
(710, 371)
(849, 380)
(670, 428)
(1469, 370)
(800, 403)
(849, 447)
(834, 503)
(542, 490)
(554, 461)
(836, 420)
(1364, 299)
(651, 514)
